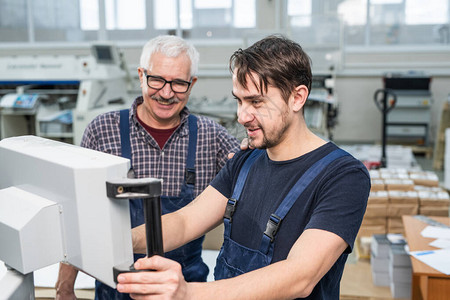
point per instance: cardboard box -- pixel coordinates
(377, 185)
(398, 210)
(399, 184)
(424, 178)
(376, 210)
(395, 225)
(394, 173)
(394, 222)
(432, 198)
(437, 211)
(378, 197)
(374, 221)
(369, 230)
(403, 197)
(374, 174)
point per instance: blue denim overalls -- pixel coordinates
(189, 255)
(235, 259)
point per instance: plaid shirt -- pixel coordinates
(148, 160)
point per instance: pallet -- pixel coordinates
(422, 150)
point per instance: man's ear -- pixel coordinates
(299, 97)
(193, 81)
(141, 76)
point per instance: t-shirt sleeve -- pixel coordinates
(342, 202)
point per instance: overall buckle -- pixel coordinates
(231, 207)
(272, 226)
(189, 175)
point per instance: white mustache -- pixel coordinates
(166, 101)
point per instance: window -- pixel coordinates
(125, 14)
(89, 15)
(119, 14)
(204, 18)
(244, 14)
(395, 22)
(426, 12)
(13, 21)
(165, 14)
(353, 12)
(56, 20)
(300, 12)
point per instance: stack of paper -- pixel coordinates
(379, 260)
(437, 259)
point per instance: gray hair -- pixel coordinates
(170, 46)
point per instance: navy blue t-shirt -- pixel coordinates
(335, 201)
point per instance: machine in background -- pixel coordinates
(321, 109)
(409, 120)
(57, 96)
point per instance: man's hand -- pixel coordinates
(165, 281)
(244, 146)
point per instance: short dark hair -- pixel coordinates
(277, 61)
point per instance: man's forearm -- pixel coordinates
(261, 284)
(188, 223)
(66, 281)
(171, 234)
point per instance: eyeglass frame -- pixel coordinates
(166, 82)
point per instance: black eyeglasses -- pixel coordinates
(177, 85)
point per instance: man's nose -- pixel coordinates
(245, 114)
(166, 91)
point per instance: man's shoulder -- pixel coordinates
(346, 164)
(213, 129)
(110, 117)
(206, 122)
(241, 156)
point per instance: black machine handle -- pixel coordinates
(385, 108)
(150, 192)
(382, 102)
(153, 228)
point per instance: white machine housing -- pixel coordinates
(82, 86)
(53, 207)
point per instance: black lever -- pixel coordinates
(385, 108)
(149, 189)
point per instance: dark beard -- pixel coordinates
(269, 143)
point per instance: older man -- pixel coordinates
(162, 140)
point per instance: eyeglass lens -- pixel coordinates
(177, 86)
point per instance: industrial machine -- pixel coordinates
(60, 202)
(56, 96)
(409, 121)
(321, 109)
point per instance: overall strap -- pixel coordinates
(125, 134)
(189, 175)
(302, 183)
(232, 202)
